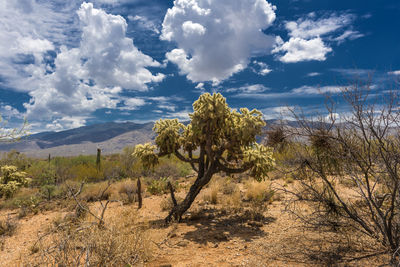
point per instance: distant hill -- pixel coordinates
(111, 137)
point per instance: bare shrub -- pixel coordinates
(128, 190)
(119, 243)
(85, 238)
(350, 169)
(229, 187)
(93, 192)
(7, 226)
(167, 203)
(276, 138)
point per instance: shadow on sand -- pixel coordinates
(215, 226)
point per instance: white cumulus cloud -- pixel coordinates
(92, 75)
(217, 38)
(249, 89)
(310, 27)
(312, 90)
(28, 29)
(298, 49)
(309, 36)
(260, 68)
(145, 23)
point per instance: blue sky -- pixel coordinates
(65, 64)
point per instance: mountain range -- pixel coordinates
(110, 137)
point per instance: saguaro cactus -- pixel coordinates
(98, 159)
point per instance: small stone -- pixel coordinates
(182, 243)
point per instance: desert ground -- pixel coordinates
(212, 233)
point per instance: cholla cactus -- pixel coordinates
(146, 154)
(224, 139)
(11, 180)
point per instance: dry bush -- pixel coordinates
(7, 226)
(158, 186)
(351, 169)
(233, 202)
(212, 195)
(258, 195)
(276, 138)
(120, 242)
(258, 191)
(229, 187)
(127, 190)
(167, 204)
(94, 192)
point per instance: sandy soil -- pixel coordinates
(210, 236)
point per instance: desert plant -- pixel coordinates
(276, 138)
(17, 159)
(127, 161)
(158, 186)
(98, 159)
(27, 204)
(362, 151)
(212, 195)
(97, 192)
(11, 180)
(81, 243)
(7, 226)
(128, 188)
(47, 191)
(258, 192)
(225, 140)
(42, 173)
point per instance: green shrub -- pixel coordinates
(47, 191)
(17, 159)
(11, 180)
(172, 167)
(158, 186)
(28, 205)
(42, 173)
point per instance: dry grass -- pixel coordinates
(93, 192)
(258, 191)
(229, 187)
(127, 190)
(211, 196)
(234, 201)
(121, 242)
(7, 227)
